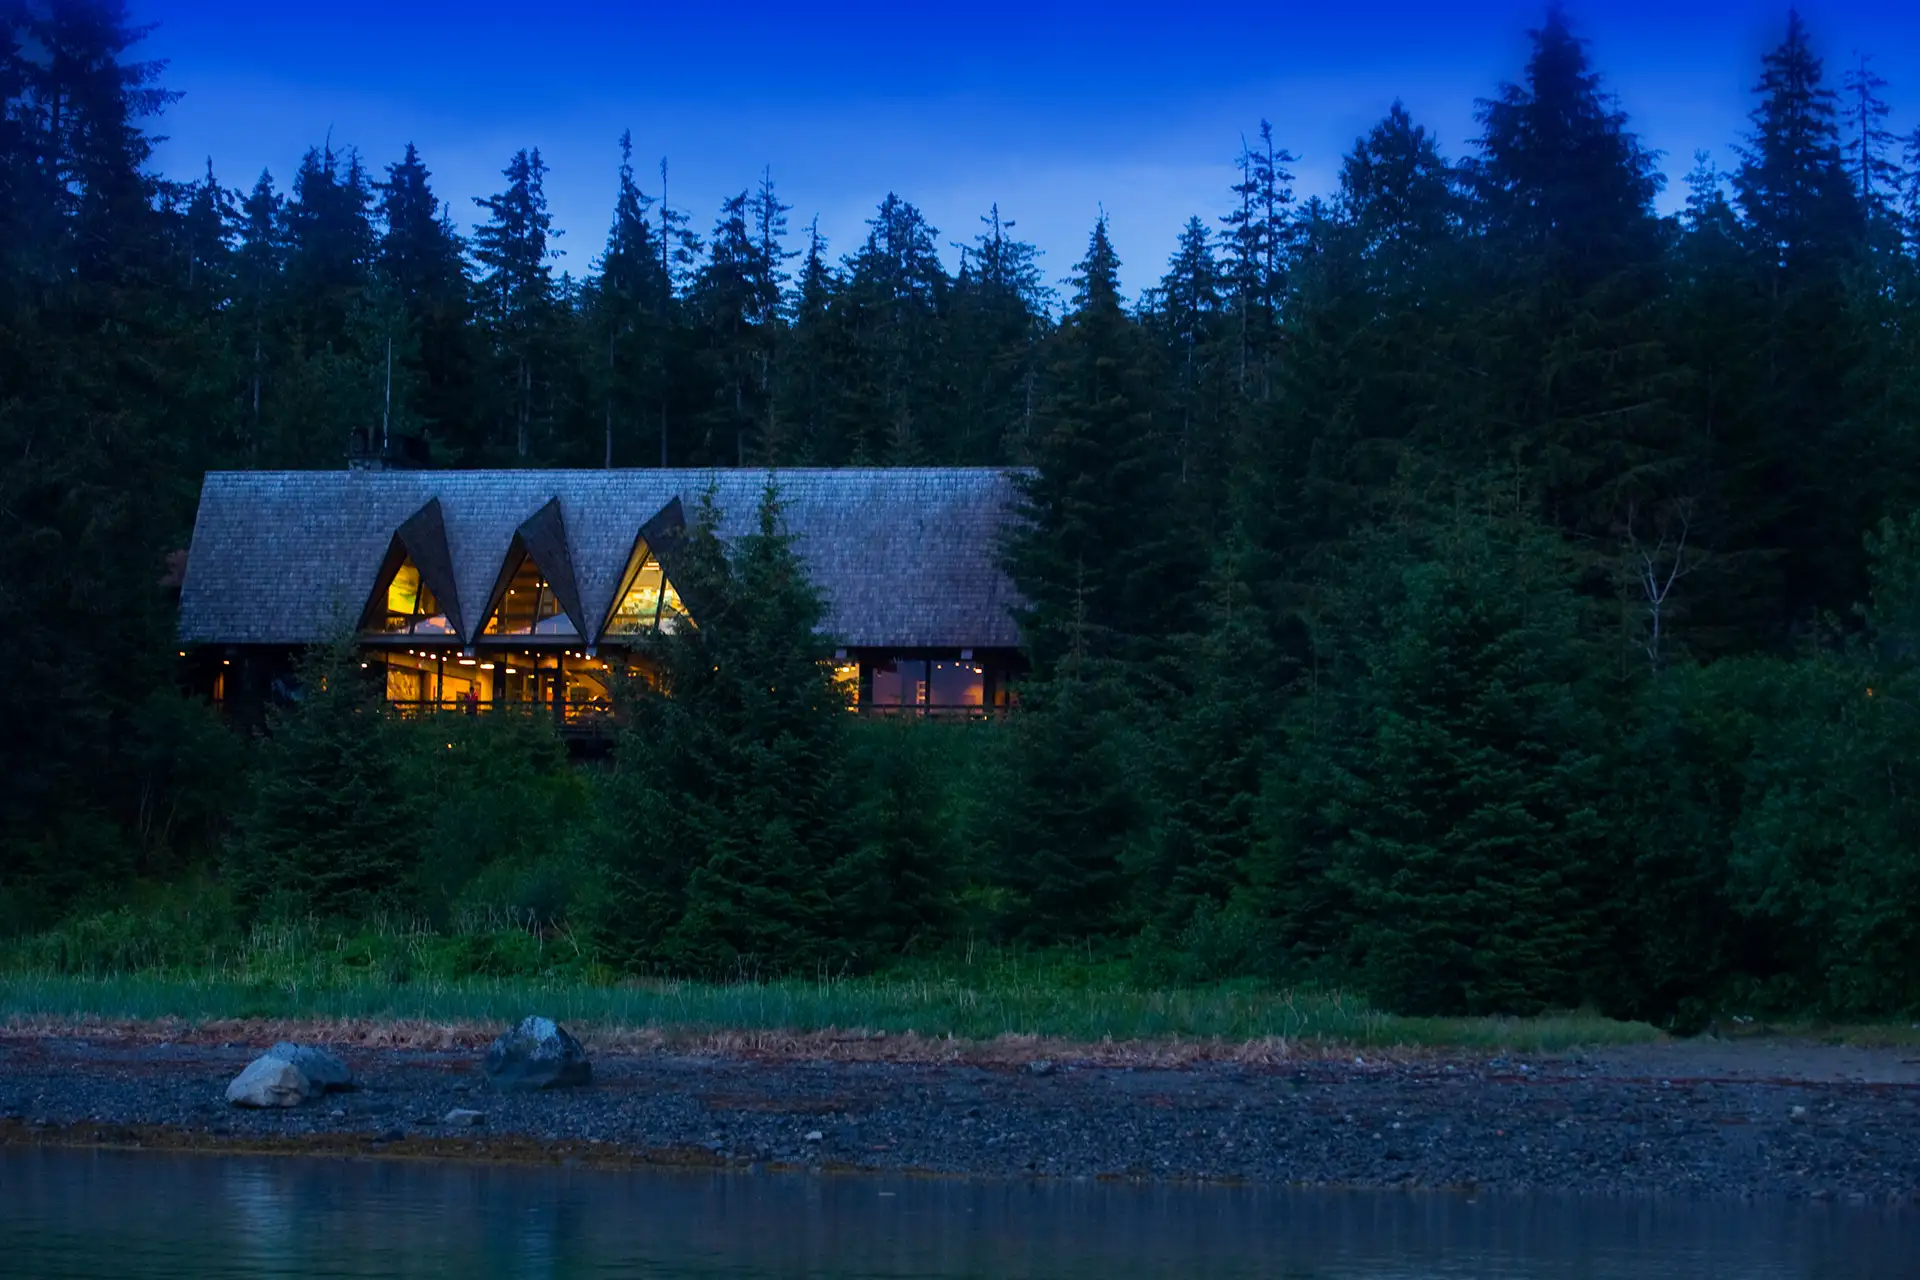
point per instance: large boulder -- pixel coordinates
(320, 1067)
(537, 1054)
(271, 1082)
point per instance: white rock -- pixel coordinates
(463, 1116)
(324, 1069)
(271, 1082)
(814, 1135)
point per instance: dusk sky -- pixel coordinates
(1053, 112)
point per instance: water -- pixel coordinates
(131, 1216)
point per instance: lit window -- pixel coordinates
(529, 607)
(846, 678)
(647, 601)
(411, 607)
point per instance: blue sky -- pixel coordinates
(1054, 111)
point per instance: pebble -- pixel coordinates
(463, 1116)
(1284, 1124)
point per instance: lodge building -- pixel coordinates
(481, 591)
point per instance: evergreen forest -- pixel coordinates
(1469, 586)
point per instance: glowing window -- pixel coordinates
(411, 608)
(529, 607)
(647, 601)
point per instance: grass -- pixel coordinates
(180, 968)
(928, 1008)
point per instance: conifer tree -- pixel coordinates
(1792, 182)
(895, 885)
(1213, 752)
(326, 830)
(1468, 776)
(330, 245)
(258, 290)
(729, 770)
(737, 299)
(1102, 460)
(423, 261)
(815, 362)
(1072, 821)
(100, 366)
(630, 311)
(1564, 193)
(1805, 227)
(1257, 237)
(1189, 315)
(1869, 143)
(997, 316)
(517, 299)
(896, 297)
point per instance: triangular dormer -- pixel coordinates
(535, 595)
(647, 601)
(414, 593)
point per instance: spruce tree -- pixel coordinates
(816, 363)
(1102, 461)
(1579, 380)
(1467, 788)
(258, 293)
(730, 765)
(896, 298)
(630, 312)
(895, 885)
(998, 316)
(329, 827)
(1212, 754)
(1805, 228)
(422, 260)
(1189, 316)
(736, 297)
(1072, 819)
(107, 405)
(518, 307)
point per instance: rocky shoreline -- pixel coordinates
(1669, 1119)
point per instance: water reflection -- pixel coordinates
(132, 1216)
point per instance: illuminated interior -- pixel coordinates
(647, 601)
(846, 678)
(569, 683)
(529, 607)
(411, 608)
(932, 684)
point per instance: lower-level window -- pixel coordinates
(932, 684)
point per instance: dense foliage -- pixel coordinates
(1470, 584)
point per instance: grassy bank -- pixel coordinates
(191, 964)
(986, 1008)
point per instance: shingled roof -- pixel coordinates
(906, 557)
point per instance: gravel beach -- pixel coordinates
(1694, 1117)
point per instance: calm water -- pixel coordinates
(135, 1216)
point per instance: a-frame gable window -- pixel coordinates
(412, 608)
(528, 606)
(647, 600)
(413, 594)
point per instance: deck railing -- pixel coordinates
(598, 712)
(583, 716)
